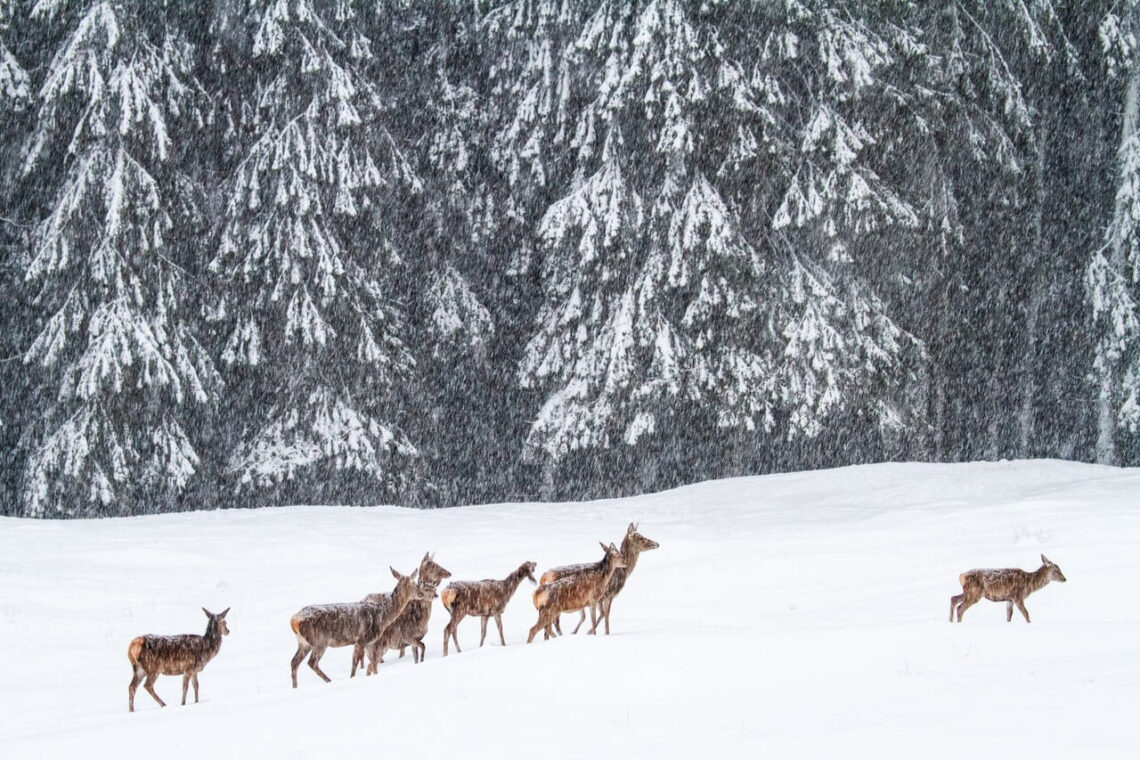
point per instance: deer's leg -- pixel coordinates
(581, 619)
(302, 650)
(593, 619)
(419, 651)
(185, 686)
(402, 653)
(544, 621)
(450, 630)
(601, 610)
(605, 606)
(136, 678)
(357, 658)
(148, 684)
(483, 628)
(315, 660)
(375, 657)
(194, 680)
(954, 600)
(1008, 610)
(1021, 606)
(499, 623)
(969, 601)
(557, 625)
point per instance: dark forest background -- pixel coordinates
(434, 252)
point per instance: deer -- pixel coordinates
(181, 655)
(1010, 585)
(320, 626)
(632, 545)
(486, 598)
(575, 592)
(411, 627)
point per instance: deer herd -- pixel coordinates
(398, 619)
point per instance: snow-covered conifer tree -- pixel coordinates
(118, 371)
(14, 87)
(1113, 275)
(15, 92)
(695, 264)
(309, 242)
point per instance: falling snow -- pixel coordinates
(294, 250)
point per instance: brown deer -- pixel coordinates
(486, 598)
(182, 655)
(632, 545)
(574, 592)
(321, 626)
(411, 627)
(1010, 586)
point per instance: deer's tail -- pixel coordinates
(540, 597)
(134, 650)
(447, 596)
(295, 624)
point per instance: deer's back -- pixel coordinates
(997, 585)
(570, 593)
(337, 625)
(485, 597)
(384, 598)
(170, 655)
(565, 571)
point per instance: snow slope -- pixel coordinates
(798, 615)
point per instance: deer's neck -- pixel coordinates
(212, 640)
(513, 580)
(1038, 579)
(608, 570)
(630, 554)
(395, 609)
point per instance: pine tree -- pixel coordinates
(966, 124)
(677, 287)
(119, 375)
(310, 241)
(14, 87)
(15, 94)
(1113, 275)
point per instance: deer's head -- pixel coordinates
(638, 542)
(613, 555)
(526, 570)
(1055, 573)
(432, 573)
(407, 588)
(218, 621)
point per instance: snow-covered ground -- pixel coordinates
(798, 615)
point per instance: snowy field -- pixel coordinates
(798, 615)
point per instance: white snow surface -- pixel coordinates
(795, 615)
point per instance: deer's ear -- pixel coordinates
(223, 613)
(631, 529)
(427, 556)
(415, 572)
(603, 545)
(1045, 560)
(395, 574)
(208, 613)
